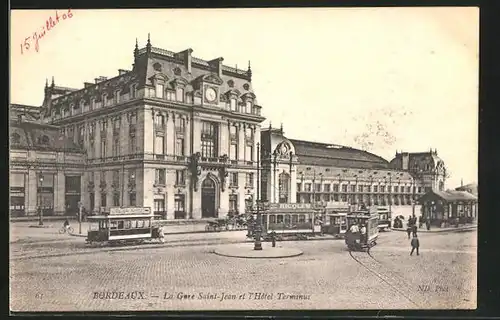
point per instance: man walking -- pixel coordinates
(415, 244)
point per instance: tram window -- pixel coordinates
(146, 223)
(127, 224)
(120, 224)
(279, 218)
(272, 218)
(113, 225)
(287, 218)
(295, 218)
(302, 218)
(133, 224)
(140, 223)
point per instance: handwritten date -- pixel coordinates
(50, 23)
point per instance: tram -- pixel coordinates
(384, 218)
(302, 220)
(121, 225)
(354, 240)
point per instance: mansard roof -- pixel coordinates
(38, 136)
(418, 161)
(30, 113)
(160, 63)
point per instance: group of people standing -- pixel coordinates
(412, 230)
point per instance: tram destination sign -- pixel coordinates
(115, 211)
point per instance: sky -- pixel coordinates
(378, 79)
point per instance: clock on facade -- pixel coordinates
(210, 94)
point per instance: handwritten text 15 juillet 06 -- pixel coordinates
(50, 23)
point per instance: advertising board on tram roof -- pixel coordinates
(114, 211)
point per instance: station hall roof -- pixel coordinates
(323, 154)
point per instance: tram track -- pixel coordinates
(377, 268)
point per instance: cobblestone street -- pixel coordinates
(324, 277)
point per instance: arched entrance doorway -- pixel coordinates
(208, 194)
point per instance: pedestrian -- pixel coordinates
(420, 221)
(415, 244)
(414, 230)
(408, 231)
(428, 224)
(363, 237)
(354, 228)
(273, 238)
(161, 235)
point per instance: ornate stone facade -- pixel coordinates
(176, 133)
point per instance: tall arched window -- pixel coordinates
(284, 187)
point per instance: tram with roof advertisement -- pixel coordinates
(299, 221)
(122, 226)
(363, 230)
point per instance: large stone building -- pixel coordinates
(180, 135)
(311, 172)
(45, 167)
(176, 133)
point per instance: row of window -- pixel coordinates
(308, 187)
(161, 177)
(180, 178)
(308, 198)
(116, 199)
(95, 104)
(179, 95)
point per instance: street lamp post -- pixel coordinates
(314, 188)
(356, 191)
(39, 198)
(413, 196)
(258, 225)
(390, 193)
(275, 156)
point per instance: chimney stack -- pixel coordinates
(185, 56)
(217, 65)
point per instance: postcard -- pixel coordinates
(243, 159)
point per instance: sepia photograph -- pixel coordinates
(243, 159)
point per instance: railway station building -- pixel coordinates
(297, 171)
(179, 134)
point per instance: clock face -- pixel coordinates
(210, 94)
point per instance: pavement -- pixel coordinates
(247, 250)
(445, 229)
(192, 277)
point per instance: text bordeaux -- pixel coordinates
(50, 23)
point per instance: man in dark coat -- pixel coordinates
(415, 244)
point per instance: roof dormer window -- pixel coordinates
(43, 140)
(248, 106)
(104, 99)
(233, 105)
(179, 94)
(133, 89)
(160, 89)
(15, 138)
(117, 96)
